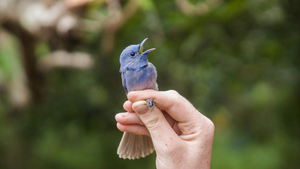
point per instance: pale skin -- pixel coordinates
(181, 135)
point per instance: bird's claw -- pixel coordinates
(150, 104)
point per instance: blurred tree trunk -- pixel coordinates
(28, 58)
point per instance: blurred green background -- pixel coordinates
(236, 61)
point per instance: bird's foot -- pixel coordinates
(150, 103)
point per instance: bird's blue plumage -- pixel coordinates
(136, 71)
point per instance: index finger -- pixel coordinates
(171, 101)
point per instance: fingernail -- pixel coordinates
(141, 108)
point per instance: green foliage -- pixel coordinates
(238, 64)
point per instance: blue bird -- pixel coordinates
(137, 74)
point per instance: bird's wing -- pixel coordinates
(124, 82)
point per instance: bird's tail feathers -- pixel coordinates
(133, 146)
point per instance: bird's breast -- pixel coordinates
(143, 79)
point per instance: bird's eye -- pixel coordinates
(132, 54)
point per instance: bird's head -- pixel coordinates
(133, 57)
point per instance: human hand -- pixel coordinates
(182, 136)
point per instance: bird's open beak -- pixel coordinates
(141, 48)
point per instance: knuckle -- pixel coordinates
(210, 125)
(173, 92)
(174, 95)
(152, 123)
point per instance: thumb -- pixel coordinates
(155, 121)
